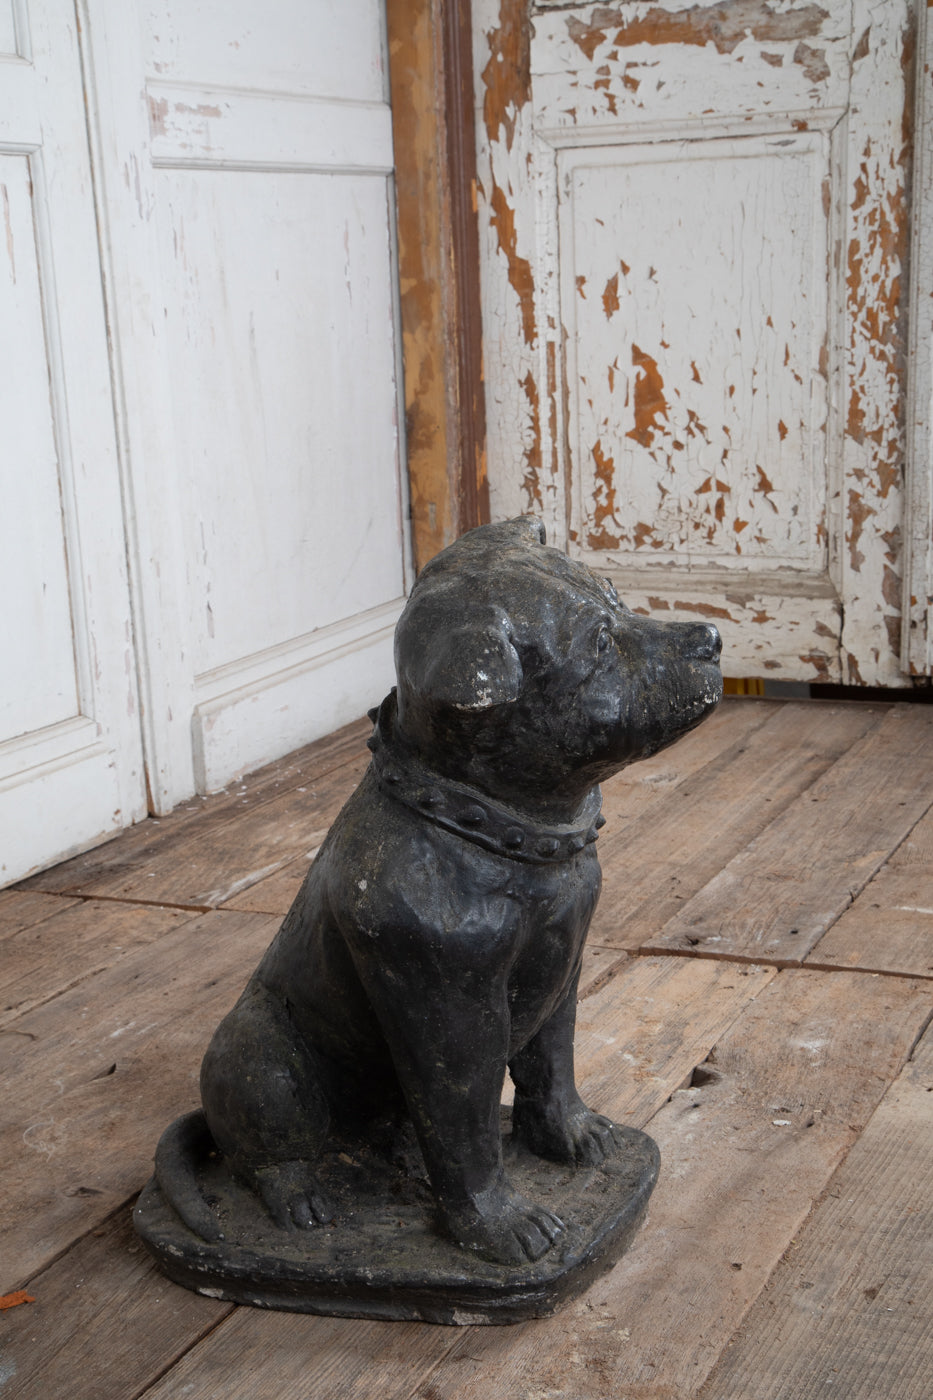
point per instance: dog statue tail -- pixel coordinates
(184, 1143)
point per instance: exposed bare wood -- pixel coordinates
(848, 1310)
(889, 927)
(756, 1083)
(641, 168)
(778, 897)
(736, 1186)
(103, 1323)
(21, 909)
(95, 933)
(631, 1077)
(204, 867)
(133, 848)
(688, 837)
(431, 81)
(100, 1071)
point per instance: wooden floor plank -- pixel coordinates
(629, 794)
(638, 1038)
(849, 1311)
(104, 1322)
(21, 909)
(777, 897)
(756, 1082)
(93, 1077)
(275, 893)
(889, 928)
(167, 839)
(741, 1163)
(202, 865)
(652, 866)
(285, 1356)
(44, 959)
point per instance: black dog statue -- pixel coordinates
(436, 943)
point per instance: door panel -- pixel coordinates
(694, 228)
(253, 298)
(70, 754)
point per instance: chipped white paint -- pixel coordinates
(246, 167)
(917, 633)
(693, 226)
(70, 755)
(218, 509)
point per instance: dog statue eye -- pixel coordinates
(603, 639)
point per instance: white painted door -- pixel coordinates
(695, 223)
(246, 173)
(70, 753)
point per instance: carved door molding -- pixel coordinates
(71, 763)
(694, 230)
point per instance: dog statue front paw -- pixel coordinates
(574, 1134)
(504, 1227)
(291, 1194)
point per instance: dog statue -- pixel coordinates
(436, 941)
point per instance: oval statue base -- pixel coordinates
(383, 1255)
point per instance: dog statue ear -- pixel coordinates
(530, 528)
(469, 668)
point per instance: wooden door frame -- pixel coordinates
(917, 632)
(431, 80)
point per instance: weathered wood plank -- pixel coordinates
(651, 866)
(44, 959)
(638, 1038)
(275, 893)
(629, 794)
(167, 839)
(290, 1357)
(203, 864)
(92, 1078)
(21, 909)
(777, 897)
(889, 928)
(784, 1095)
(103, 1324)
(849, 1310)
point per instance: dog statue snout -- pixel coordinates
(709, 642)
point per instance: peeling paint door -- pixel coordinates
(247, 183)
(693, 223)
(70, 753)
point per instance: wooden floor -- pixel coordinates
(758, 994)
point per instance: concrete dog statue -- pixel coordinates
(437, 938)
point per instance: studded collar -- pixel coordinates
(469, 813)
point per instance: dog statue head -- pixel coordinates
(520, 670)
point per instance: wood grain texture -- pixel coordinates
(777, 897)
(889, 927)
(103, 1323)
(658, 249)
(20, 909)
(438, 271)
(204, 866)
(756, 1082)
(93, 1077)
(655, 864)
(735, 1187)
(638, 1038)
(45, 959)
(170, 834)
(850, 1308)
(631, 793)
